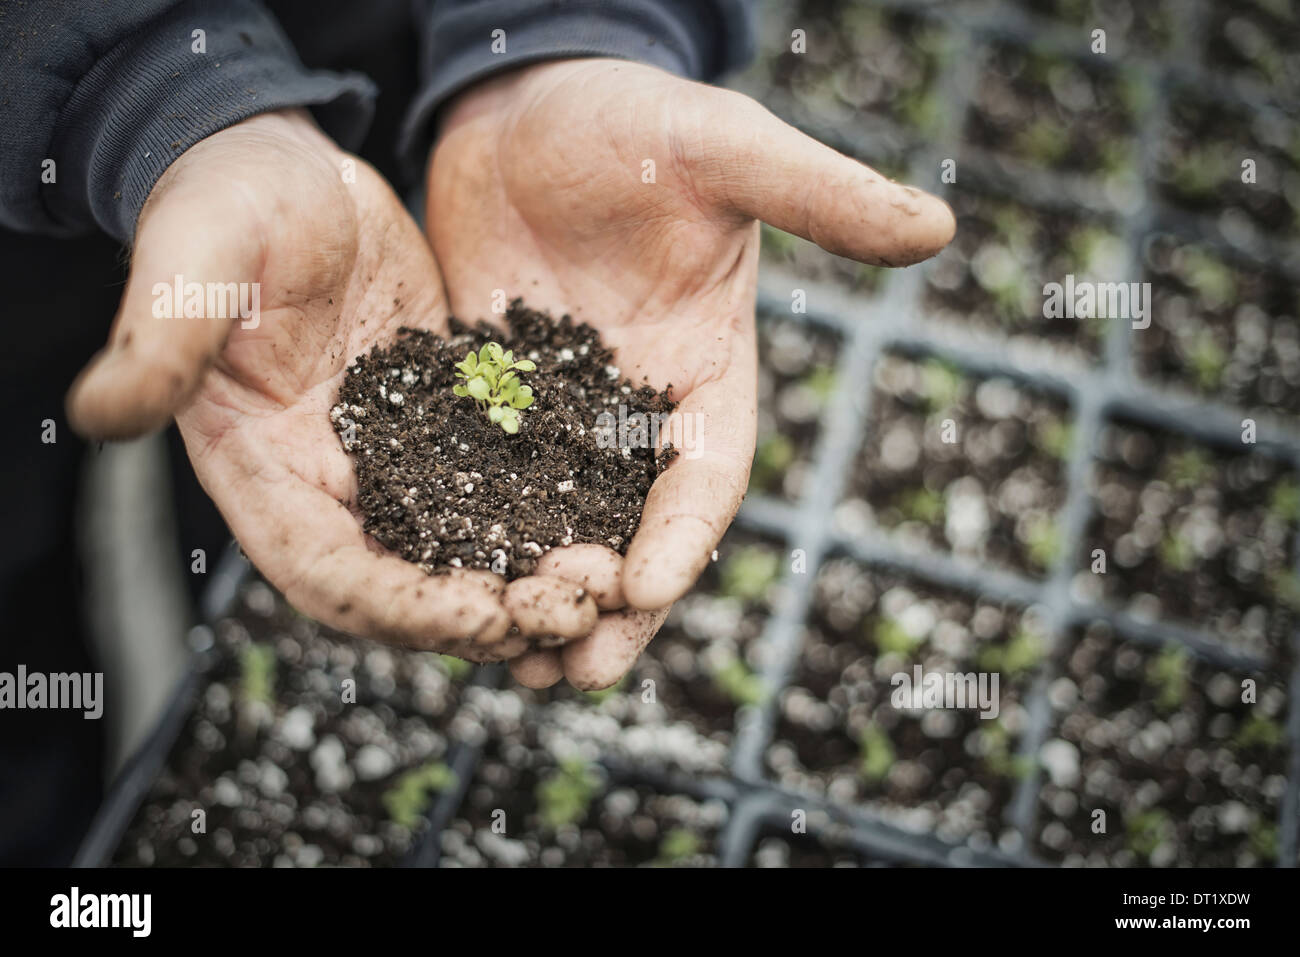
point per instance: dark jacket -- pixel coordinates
(98, 98)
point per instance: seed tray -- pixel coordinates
(1159, 59)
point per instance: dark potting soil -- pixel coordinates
(1186, 761)
(838, 735)
(778, 847)
(677, 708)
(304, 748)
(442, 486)
(1195, 534)
(992, 495)
(539, 798)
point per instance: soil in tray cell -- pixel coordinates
(967, 465)
(1130, 25)
(843, 733)
(1055, 113)
(1236, 166)
(304, 748)
(859, 61)
(1156, 758)
(796, 383)
(1256, 41)
(677, 708)
(1220, 329)
(531, 804)
(1193, 534)
(993, 275)
(780, 847)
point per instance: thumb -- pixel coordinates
(760, 167)
(182, 297)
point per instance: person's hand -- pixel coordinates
(628, 198)
(341, 265)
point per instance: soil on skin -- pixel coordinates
(442, 486)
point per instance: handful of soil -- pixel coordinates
(442, 485)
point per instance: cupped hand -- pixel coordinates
(629, 198)
(339, 266)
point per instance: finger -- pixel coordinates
(609, 652)
(596, 568)
(537, 669)
(691, 504)
(757, 166)
(157, 354)
(508, 648)
(313, 550)
(540, 605)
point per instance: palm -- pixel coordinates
(628, 198)
(560, 213)
(263, 408)
(574, 219)
(340, 267)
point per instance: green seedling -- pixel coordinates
(492, 381)
(778, 243)
(1054, 438)
(1092, 246)
(738, 682)
(412, 794)
(257, 672)
(942, 384)
(1134, 90)
(1013, 227)
(1188, 469)
(774, 455)
(998, 757)
(1017, 656)
(749, 572)
(1043, 141)
(1147, 830)
(598, 698)
(1212, 280)
(1001, 276)
(921, 505)
(1167, 674)
(875, 752)
(1286, 588)
(820, 381)
(892, 638)
(866, 277)
(677, 846)
(1284, 501)
(1263, 839)
(1207, 361)
(1117, 157)
(457, 669)
(564, 796)
(1176, 553)
(1260, 731)
(1196, 173)
(922, 110)
(1043, 541)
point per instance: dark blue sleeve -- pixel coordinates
(112, 93)
(700, 39)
